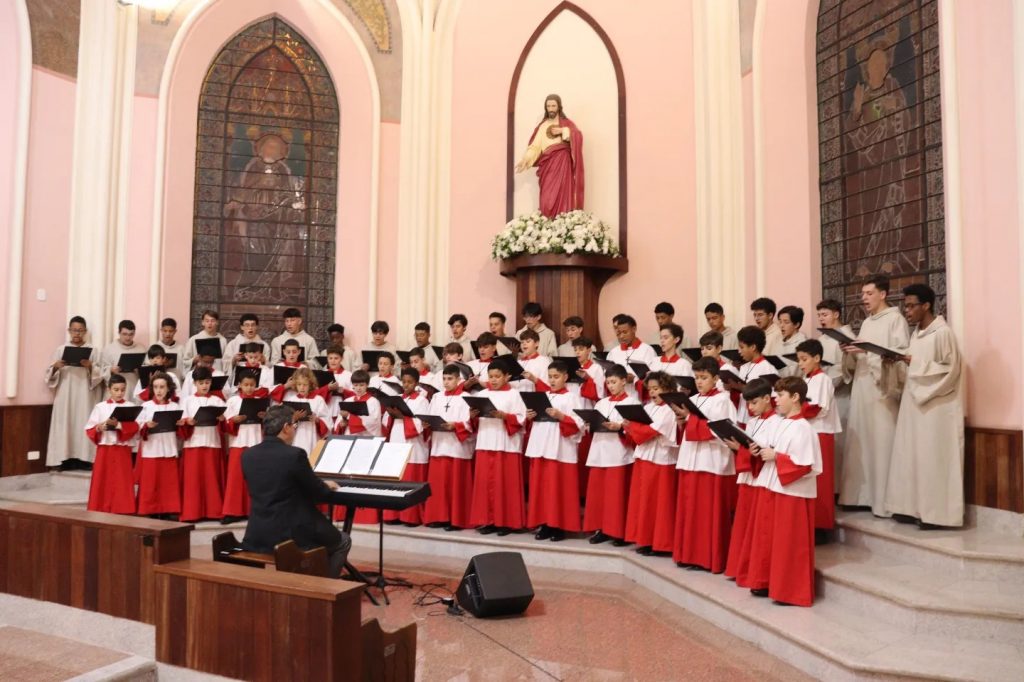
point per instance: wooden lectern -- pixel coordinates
(564, 285)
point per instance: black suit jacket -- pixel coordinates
(284, 492)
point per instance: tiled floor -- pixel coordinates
(35, 657)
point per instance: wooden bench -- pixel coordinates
(258, 625)
(287, 556)
(89, 560)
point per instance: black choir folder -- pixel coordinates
(434, 421)
(483, 405)
(73, 355)
(886, 353)
(634, 413)
(252, 407)
(243, 372)
(126, 413)
(681, 399)
(358, 408)
(166, 421)
(282, 374)
(130, 362)
(207, 415)
(539, 403)
(360, 456)
(793, 357)
(837, 335)
(725, 429)
(573, 363)
(397, 402)
(209, 348)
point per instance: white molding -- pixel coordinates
(16, 248)
(160, 174)
(127, 35)
(760, 278)
(951, 167)
(1018, 78)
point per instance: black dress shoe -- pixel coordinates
(393, 522)
(487, 530)
(929, 526)
(661, 553)
(904, 518)
(437, 524)
(759, 592)
(823, 536)
(598, 537)
(557, 535)
(619, 542)
(502, 531)
(450, 528)
(695, 567)
(410, 524)
(645, 550)
(543, 534)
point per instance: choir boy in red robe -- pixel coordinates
(782, 551)
(535, 365)
(761, 428)
(158, 463)
(751, 342)
(357, 425)
(202, 495)
(112, 486)
(451, 457)
(410, 430)
(242, 435)
(652, 495)
(340, 388)
(554, 480)
(591, 390)
(610, 464)
(822, 412)
(499, 504)
(707, 479)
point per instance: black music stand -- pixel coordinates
(379, 580)
(354, 573)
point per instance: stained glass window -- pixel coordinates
(266, 183)
(880, 134)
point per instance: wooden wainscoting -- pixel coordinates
(994, 468)
(23, 428)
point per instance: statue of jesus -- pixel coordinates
(556, 148)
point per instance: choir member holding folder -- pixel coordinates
(403, 427)
(74, 376)
(113, 429)
(123, 356)
(202, 460)
(157, 463)
(450, 473)
(242, 423)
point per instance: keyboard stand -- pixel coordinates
(354, 573)
(379, 580)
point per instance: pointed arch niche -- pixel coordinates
(571, 55)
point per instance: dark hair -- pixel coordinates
(380, 327)
(335, 350)
(756, 388)
(422, 327)
(666, 381)
(675, 330)
(248, 317)
(711, 339)
(573, 321)
(498, 365)
(714, 308)
(532, 309)
(497, 315)
(386, 354)
(559, 366)
(156, 351)
(340, 328)
(166, 322)
(292, 312)
(796, 314)
(417, 352)
(811, 347)
(487, 339)
(451, 370)
(922, 292)
(410, 372)
(211, 313)
(617, 371)
(830, 304)
(116, 379)
(764, 304)
(453, 349)
(881, 282)
(360, 376)
(529, 334)
(276, 418)
(709, 365)
(290, 342)
(622, 318)
(126, 324)
(582, 342)
(202, 374)
(78, 319)
(664, 308)
(458, 317)
(751, 336)
(794, 385)
(170, 382)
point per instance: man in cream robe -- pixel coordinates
(830, 317)
(874, 402)
(76, 392)
(926, 475)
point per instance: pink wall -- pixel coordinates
(215, 26)
(991, 254)
(489, 39)
(736, 319)
(387, 254)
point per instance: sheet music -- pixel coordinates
(333, 456)
(391, 460)
(360, 457)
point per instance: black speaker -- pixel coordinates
(495, 584)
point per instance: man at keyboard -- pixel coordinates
(285, 492)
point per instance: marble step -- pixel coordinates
(64, 487)
(970, 553)
(922, 600)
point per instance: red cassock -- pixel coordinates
(112, 488)
(560, 172)
(202, 481)
(607, 498)
(451, 491)
(236, 492)
(498, 497)
(825, 508)
(650, 517)
(743, 520)
(554, 495)
(159, 485)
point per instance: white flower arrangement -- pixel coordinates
(568, 233)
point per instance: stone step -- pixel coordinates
(64, 488)
(921, 600)
(970, 553)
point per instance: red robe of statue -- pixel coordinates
(560, 172)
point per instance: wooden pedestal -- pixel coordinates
(564, 286)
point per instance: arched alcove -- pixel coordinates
(266, 181)
(571, 55)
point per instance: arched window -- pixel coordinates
(266, 183)
(881, 148)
